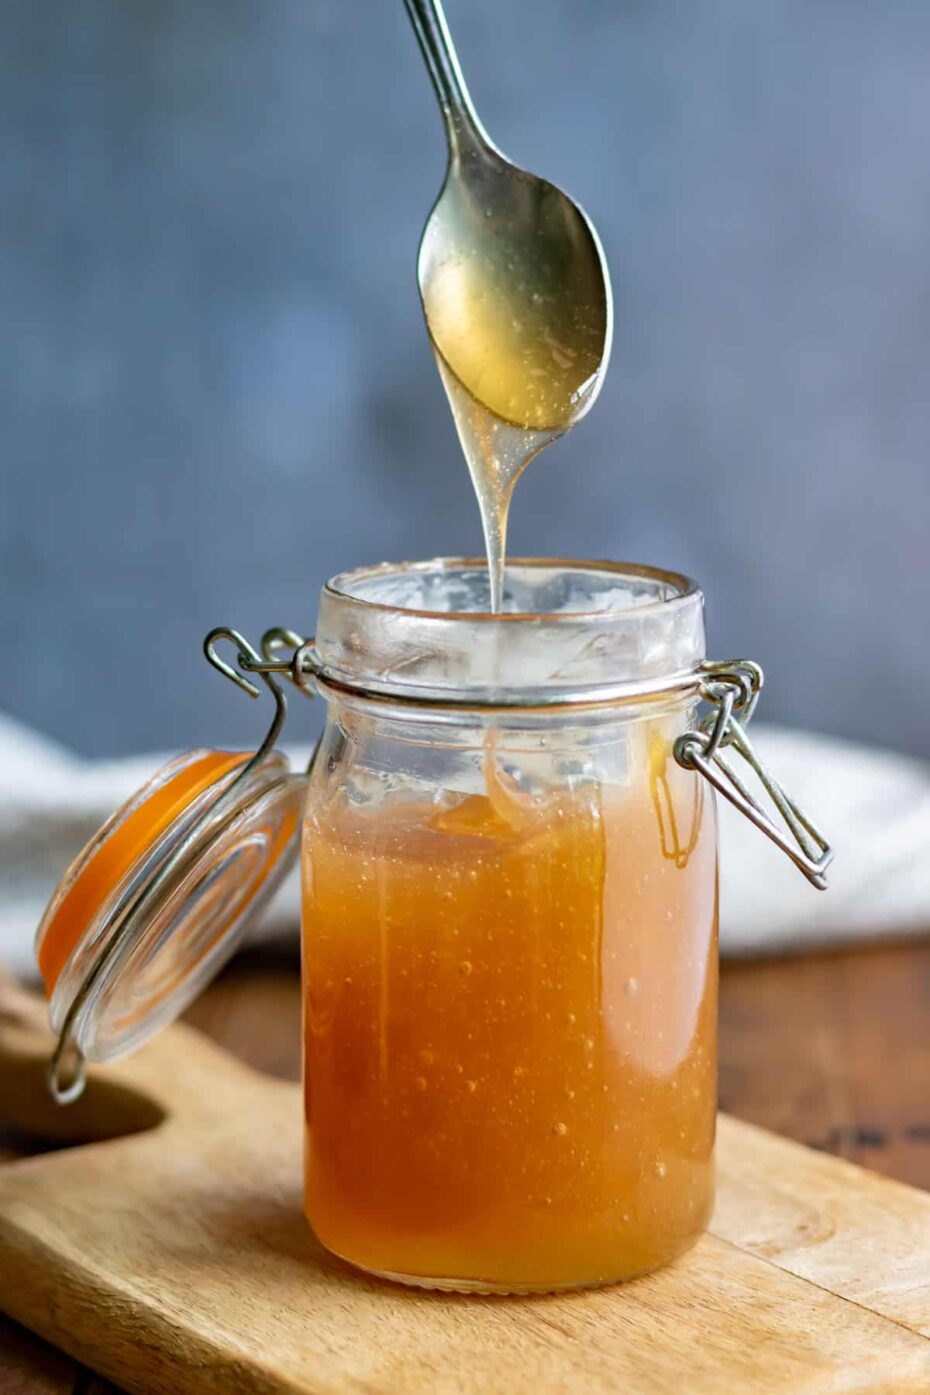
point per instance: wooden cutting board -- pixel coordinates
(177, 1259)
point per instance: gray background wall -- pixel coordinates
(215, 387)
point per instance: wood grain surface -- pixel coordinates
(830, 1049)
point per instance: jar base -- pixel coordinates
(486, 1288)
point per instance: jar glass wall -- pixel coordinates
(509, 929)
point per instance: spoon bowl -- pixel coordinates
(513, 281)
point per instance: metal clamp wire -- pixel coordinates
(735, 688)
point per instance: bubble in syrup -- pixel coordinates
(420, 1082)
(631, 987)
(560, 1130)
(660, 1170)
(465, 968)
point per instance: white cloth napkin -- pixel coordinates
(875, 806)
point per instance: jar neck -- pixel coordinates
(517, 729)
(574, 635)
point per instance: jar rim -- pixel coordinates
(685, 587)
(576, 632)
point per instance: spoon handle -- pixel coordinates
(458, 113)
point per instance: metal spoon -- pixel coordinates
(512, 277)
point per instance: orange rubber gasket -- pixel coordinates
(126, 844)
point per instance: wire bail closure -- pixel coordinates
(732, 689)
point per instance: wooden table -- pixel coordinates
(831, 1049)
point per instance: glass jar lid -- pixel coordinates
(158, 900)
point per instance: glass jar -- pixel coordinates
(509, 884)
(509, 928)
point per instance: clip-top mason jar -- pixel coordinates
(509, 871)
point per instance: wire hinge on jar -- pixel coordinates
(732, 690)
